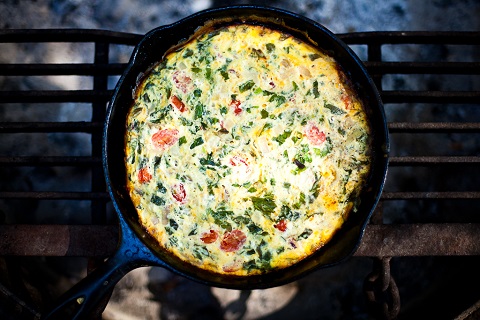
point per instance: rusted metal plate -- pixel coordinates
(58, 240)
(421, 240)
(461, 239)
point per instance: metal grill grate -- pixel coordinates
(438, 237)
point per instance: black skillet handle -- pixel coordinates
(84, 297)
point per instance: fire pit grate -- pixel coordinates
(388, 235)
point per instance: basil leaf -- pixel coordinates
(264, 205)
(156, 200)
(333, 109)
(246, 86)
(197, 142)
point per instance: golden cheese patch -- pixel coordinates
(245, 150)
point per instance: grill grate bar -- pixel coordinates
(54, 195)
(449, 239)
(443, 97)
(430, 195)
(428, 161)
(434, 127)
(409, 67)
(35, 127)
(68, 35)
(47, 96)
(50, 161)
(84, 69)
(411, 37)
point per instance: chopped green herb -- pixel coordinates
(264, 205)
(161, 188)
(279, 99)
(295, 86)
(314, 56)
(182, 140)
(270, 47)
(208, 74)
(156, 200)
(257, 53)
(197, 92)
(264, 113)
(188, 53)
(198, 113)
(209, 161)
(200, 252)
(287, 213)
(220, 216)
(246, 85)
(197, 142)
(333, 109)
(223, 110)
(282, 137)
(305, 234)
(315, 89)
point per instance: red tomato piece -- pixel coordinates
(235, 104)
(179, 193)
(314, 135)
(347, 100)
(144, 176)
(233, 240)
(182, 81)
(209, 237)
(165, 138)
(178, 103)
(237, 161)
(281, 225)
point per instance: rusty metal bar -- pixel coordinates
(100, 83)
(433, 127)
(77, 161)
(430, 96)
(35, 127)
(54, 195)
(430, 195)
(47, 96)
(414, 67)
(433, 161)
(70, 69)
(58, 240)
(449, 239)
(68, 35)
(412, 37)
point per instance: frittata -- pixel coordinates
(246, 150)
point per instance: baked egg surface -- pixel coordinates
(246, 150)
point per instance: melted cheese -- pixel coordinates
(245, 150)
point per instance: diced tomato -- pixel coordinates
(178, 193)
(281, 225)
(314, 135)
(347, 100)
(182, 81)
(144, 176)
(178, 103)
(165, 138)
(209, 237)
(235, 104)
(237, 161)
(233, 240)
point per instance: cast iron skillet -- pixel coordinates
(136, 247)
